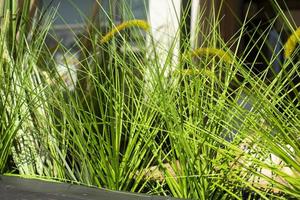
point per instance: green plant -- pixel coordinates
(213, 130)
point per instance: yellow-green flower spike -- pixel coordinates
(214, 52)
(206, 51)
(131, 23)
(291, 43)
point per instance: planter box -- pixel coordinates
(27, 189)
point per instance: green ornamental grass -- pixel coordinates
(212, 130)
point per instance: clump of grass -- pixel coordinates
(202, 136)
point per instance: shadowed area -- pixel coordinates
(28, 189)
